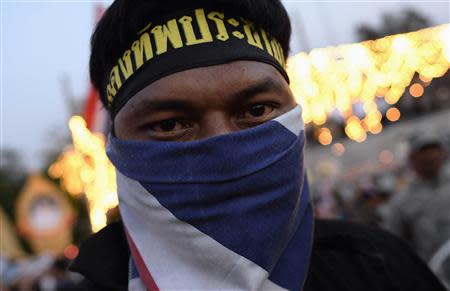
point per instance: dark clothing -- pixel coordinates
(345, 257)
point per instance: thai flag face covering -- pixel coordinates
(231, 212)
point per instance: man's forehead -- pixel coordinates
(226, 79)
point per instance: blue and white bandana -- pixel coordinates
(231, 212)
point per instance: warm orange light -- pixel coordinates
(355, 130)
(325, 137)
(86, 170)
(394, 94)
(416, 90)
(362, 137)
(338, 77)
(425, 79)
(376, 129)
(393, 114)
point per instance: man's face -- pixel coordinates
(205, 102)
(428, 161)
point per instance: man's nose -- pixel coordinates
(217, 123)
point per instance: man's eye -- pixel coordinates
(259, 110)
(168, 125)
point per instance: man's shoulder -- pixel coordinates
(350, 256)
(326, 230)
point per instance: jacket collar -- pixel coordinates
(104, 258)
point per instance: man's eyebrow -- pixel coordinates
(162, 105)
(262, 86)
(146, 105)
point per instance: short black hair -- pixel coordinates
(117, 29)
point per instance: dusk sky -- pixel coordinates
(43, 42)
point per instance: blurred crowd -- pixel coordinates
(40, 273)
(411, 201)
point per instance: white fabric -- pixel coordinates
(136, 285)
(290, 120)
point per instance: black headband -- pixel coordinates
(185, 40)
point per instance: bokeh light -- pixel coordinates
(333, 78)
(338, 149)
(425, 79)
(393, 114)
(416, 90)
(324, 136)
(86, 169)
(71, 252)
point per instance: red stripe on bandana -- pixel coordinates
(144, 273)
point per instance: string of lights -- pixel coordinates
(329, 80)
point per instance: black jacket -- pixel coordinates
(345, 257)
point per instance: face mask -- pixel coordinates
(231, 212)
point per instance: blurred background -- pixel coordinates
(373, 81)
